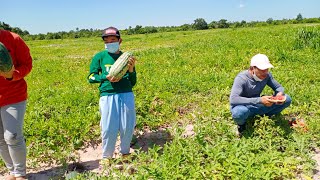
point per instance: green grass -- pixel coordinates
(183, 78)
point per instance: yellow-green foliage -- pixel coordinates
(182, 77)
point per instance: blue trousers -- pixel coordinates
(241, 113)
(117, 115)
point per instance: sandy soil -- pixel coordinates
(89, 157)
(316, 171)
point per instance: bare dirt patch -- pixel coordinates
(89, 157)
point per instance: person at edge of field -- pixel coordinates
(13, 99)
(116, 104)
(245, 97)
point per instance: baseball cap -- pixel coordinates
(261, 61)
(110, 31)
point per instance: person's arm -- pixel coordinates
(132, 71)
(236, 92)
(277, 87)
(95, 75)
(133, 77)
(23, 60)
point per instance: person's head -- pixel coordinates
(112, 39)
(260, 66)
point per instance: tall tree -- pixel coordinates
(213, 25)
(223, 23)
(199, 24)
(299, 17)
(269, 21)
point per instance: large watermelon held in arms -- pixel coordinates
(5, 59)
(120, 67)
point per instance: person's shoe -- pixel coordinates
(126, 158)
(10, 177)
(104, 163)
(241, 128)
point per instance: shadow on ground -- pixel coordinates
(141, 141)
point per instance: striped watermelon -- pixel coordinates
(5, 59)
(120, 67)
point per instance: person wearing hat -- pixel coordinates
(245, 97)
(15, 64)
(116, 104)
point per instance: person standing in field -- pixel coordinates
(15, 64)
(245, 97)
(116, 104)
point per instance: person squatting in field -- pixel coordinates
(116, 104)
(13, 99)
(245, 97)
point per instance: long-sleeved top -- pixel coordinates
(246, 90)
(15, 90)
(99, 69)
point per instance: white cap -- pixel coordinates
(261, 61)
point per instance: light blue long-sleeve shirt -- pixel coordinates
(246, 90)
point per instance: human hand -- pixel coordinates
(8, 74)
(112, 79)
(265, 101)
(131, 63)
(280, 94)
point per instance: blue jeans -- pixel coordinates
(117, 115)
(12, 144)
(241, 113)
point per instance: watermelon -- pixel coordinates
(5, 59)
(120, 67)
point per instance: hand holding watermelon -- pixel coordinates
(131, 63)
(265, 100)
(121, 66)
(8, 74)
(112, 78)
(280, 98)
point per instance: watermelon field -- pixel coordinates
(183, 78)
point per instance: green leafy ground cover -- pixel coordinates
(183, 78)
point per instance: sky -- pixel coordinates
(42, 16)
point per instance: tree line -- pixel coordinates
(198, 24)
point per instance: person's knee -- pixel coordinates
(288, 101)
(240, 114)
(12, 138)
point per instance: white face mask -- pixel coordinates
(112, 47)
(255, 77)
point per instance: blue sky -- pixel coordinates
(42, 16)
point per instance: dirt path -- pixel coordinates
(316, 171)
(89, 157)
